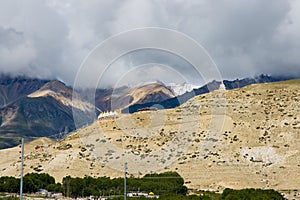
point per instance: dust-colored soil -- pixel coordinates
(248, 137)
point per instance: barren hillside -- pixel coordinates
(248, 137)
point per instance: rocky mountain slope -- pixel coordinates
(246, 137)
(12, 89)
(119, 98)
(36, 108)
(209, 87)
(45, 112)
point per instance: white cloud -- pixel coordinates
(15, 51)
(50, 38)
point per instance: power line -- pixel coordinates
(22, 169)
(125, 168)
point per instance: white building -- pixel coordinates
(222, 86)
(108, 115)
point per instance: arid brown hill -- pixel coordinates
(247, 137)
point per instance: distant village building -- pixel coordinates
(143, 194)
(106, 115)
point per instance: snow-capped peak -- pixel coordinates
(182, 88)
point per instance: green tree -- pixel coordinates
(28, 185)
(41, 180)
(57, 187)
(9, 184)
(251, 194)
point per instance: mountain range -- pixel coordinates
(209, 87)
(119, 98)
(34, 108)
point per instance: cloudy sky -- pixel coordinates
(51, 38)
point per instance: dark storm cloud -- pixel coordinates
(51, 38)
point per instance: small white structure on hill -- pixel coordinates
(108, 115)
(222, 86)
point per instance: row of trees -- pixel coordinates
(171, 197)
(169, 185)
(31, 183)
(251, 194)
(163, 184)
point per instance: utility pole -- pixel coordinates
(22, 169)
(125, 168)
